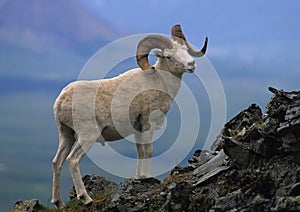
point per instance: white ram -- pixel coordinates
(135, 102)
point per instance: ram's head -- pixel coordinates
(174, 54)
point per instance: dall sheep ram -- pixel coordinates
(135, 102)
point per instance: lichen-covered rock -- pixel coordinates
(250, 118)
(282, 120)
(200, 157)
(243, 139)
(135, 195)
(218, 160)
(28, 206)
(282, 111)
(178, 198)
(96, 186)
(250, 137)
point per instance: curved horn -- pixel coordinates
(146, 45)
(196, 53)
(178, 35)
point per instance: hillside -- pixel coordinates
(254, 165)
(62, 24)
(40, 38)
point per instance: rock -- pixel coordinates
(288, 203)
(134, 195)
(135, 186)
(96, 186)
(211, 164)
(249, 137)
(289, 190)
(179, 197)
(239, 125)
(282, 112)
(28, 205)
(282, 120)
(181, 170)
(199, 158)
(230, 201)
(295, 190)
(211, 174)
(239, 152)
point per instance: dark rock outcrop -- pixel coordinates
(96, 186)
(254, 165)
(28, 205)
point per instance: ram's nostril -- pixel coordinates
(191, 63)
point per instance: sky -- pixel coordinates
(252, 44)
(252, 31)
(241, 21)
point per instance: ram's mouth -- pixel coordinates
(191, 70)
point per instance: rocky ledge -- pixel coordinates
(254, 165)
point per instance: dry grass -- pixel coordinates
(178, 178)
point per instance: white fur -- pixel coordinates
(135, 102)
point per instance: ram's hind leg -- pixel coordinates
(66, 141)
(81, 148)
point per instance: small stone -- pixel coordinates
(28, 206)
(211, 164)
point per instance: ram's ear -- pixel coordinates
(158, 53)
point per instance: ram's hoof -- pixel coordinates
(58, 203)
(143, 177)
(87, 200)
(87, 203)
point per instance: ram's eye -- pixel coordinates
(168, 57)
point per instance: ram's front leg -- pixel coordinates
(144, 154)
(148, 155)
(140, 149)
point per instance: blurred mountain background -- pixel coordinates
(61, 34)
(44, 45)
